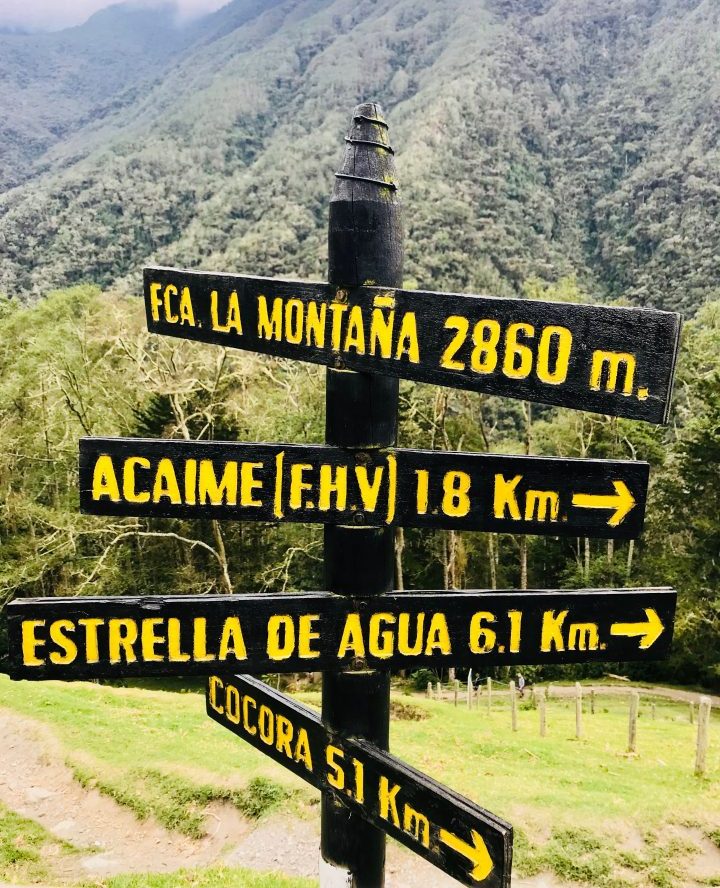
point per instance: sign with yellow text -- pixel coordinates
(330, 485)
(462, 839)
(70, 638)
(605, 359)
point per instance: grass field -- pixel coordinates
(583, 809)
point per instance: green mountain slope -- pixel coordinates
(534, 137)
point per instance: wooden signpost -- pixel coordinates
(464, 840)
(371, 486)
(71, 638)
(618, 361)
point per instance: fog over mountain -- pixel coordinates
(49, 15)
(535, 138)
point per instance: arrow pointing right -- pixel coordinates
(649, 631)
(621, 502)
(477, 852)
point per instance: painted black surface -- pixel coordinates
(341, 641)
(489, 480)
(444, 809)
(445, 324)
(365, 244)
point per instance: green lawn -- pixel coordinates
(582, 808)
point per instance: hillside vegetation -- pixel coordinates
(535, 138)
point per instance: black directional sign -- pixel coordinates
(70, 638)
(618, 361)
(329, 485)
(462, 839)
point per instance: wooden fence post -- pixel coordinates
(429, 690)
(365, 243)
(632, 725)
(469, 690)
(541, 710)
(513, 706)
(457, 691)
(438, 691)
(489, 695)
(703, 736)
(592, 701)
(578, 711)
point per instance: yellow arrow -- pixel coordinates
(622, 501)
(477, 853)
(650, 630)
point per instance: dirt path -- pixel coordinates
(35, 782)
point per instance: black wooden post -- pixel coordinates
(365, 248)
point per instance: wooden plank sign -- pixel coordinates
(461, 838)
(604, 359)
(70, 638)
(331, 485)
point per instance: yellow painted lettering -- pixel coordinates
(302, 750)
(298, 485)
(215, 492)
(294, 321)
(563, 338)
(306, 636)
(248, 704)
(283, 735)
(31, 643)
(186, 308)
(407, 343)
(482, 637)
(355, 331)
(166, 485)
(231, 640)
(438, 637)
(388, 801)
(369, 490)
(333, 479)
(269, 324)
(215, 684)
(104, 481)
(122, 635)
(232, 704)
(351, 640)
(551, 633)
(175, 653)
(155, 301)
(200, 651)
(504, 497)
(381, 643)
(91, 625)
(337, 310)
(461, 326)
(281, 637)
(150, 639)
(130, 493)
(405, 647)
(315, 324)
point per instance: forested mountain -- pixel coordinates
(535, 138)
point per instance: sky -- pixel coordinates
(52, 15)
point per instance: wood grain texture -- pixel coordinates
(603, 359)
(362, 488)
(259, 633)
(430, 819)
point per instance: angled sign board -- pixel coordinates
(603, 359)
(83, 638)
(330, 485)
(461, 838)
